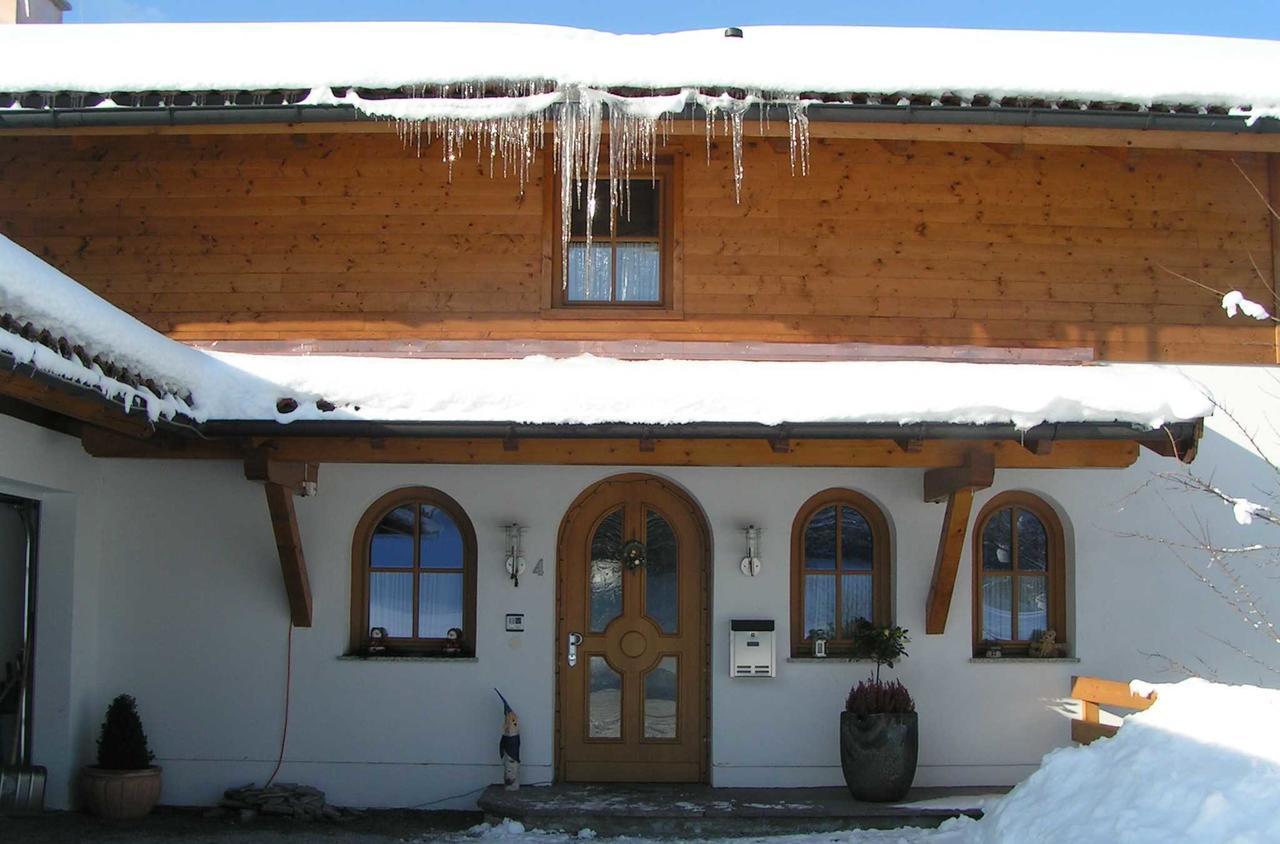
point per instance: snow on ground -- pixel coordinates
(1127, 67)
(1201, 766)
(578, 390)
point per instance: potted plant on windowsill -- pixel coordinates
(879, 729)
(124, 785)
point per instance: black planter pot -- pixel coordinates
(878, 754)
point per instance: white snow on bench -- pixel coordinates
(576, 390)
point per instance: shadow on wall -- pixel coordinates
(1212, 593)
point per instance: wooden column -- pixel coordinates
(282, 481)
(956, 484)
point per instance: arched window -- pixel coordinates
(413, 573)
(839, 569)
(1019, 567)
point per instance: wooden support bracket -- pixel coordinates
(945, 566)
(282, 480)
(300, 478)
(956, 484)
(977, 472)
(293, 565)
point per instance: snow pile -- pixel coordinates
(1201, 765)
(578, 390)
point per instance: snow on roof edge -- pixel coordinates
(1123, 67)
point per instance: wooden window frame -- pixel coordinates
(668, 170)
(881, 566)
(1055, 575)
(360, 571)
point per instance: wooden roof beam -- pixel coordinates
(103, 442)
(74, 402)
(929, 454)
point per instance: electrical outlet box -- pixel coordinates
(751, 648)
(515, 622)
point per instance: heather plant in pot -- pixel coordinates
(124, 784)
(879, 730)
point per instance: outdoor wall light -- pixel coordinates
(750, 564)
(515, 552)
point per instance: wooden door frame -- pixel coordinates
(702, 525)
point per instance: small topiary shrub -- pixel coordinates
(122, 745)
(874, 697)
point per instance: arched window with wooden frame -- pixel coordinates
(413, 573)
(1019, 573)
(840, 564)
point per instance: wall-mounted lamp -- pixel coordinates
(750, 564)
(515, 552)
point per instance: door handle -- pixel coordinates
(575, 639)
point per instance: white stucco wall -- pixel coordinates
(176, 598)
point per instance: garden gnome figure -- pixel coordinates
(509, 747)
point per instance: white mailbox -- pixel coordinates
(751, 649)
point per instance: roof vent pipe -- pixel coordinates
(733, 32)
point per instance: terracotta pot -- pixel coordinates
(121, 795)
(878, 754)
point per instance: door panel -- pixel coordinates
(632, 707)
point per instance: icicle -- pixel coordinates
(510, 128)
(733, 111)
(798, 133)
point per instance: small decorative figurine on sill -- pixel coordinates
(819, 638)
(509, 747)
(1044, 646)
(991, 650)
(453, 642)
(377, 641)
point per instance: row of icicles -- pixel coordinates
(509, 130)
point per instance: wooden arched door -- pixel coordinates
(632, 637)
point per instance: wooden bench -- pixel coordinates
(1093, 692)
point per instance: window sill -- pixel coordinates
(1025, 659)
(586, 311)
(835, 658)
(405, 658)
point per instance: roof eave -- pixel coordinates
(1008, 116)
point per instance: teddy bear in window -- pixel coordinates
(1044, 645)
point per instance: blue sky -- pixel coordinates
(1248, 18)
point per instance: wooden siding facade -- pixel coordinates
(352, 236)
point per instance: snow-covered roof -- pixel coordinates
(570, 391)
(822, 62)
